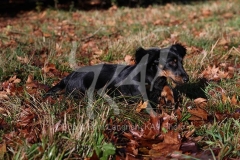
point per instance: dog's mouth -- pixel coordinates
(178, 80)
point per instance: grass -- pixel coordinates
(34, 129)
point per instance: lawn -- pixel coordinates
(39, 48)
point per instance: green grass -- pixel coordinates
(63, 128)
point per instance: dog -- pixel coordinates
(146, 78)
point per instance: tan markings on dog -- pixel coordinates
(169, 74)
(167, 93)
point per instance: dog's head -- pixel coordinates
(167, 62)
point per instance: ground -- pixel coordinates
(38, 48)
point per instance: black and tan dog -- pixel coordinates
(153, 67)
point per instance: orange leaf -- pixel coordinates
(23, 59)
(224, 98)
(141, 106)
(29, 79)
(132, 147)
(222, 42)
(234, 100)
(206, 12)
(172, 137)
(3, 95)
(162, 149)
(47, 35)
(3, 150)
(200, 102)
(48, 67)
(198, 112)
(129, 60)
(152, 127)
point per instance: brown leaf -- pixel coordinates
(201, 102)
(162, 149)
(48, 67)
(3, 150)
(29, 79)
(128, 135)
(4, 95)
(152, 127)
(129, 60)
(24, 60)
(141, 106)
(47, 35)
(178, 114)
(194, 118)
(221, 116)
(206, 12)
(234, 100)
(172, 137)
(132, 147)
(223, 42)
(189, 133)
(167, 121)
(231, 71)
(224, 98)
(198, 112)
(158, 22)
(228, 15)
(214, 73)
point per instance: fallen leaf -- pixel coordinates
(129, 60)
(47, 35)
(206, 12)
(172, 137)
(4, 95)
(24, 60)
(222, 42)
(228, 15)
(3, 150)
(151, 128)
(189, 133)
(29, 79)
(141, 106)
(198, 112)
(163, 149)
(170, 143)
(48, 67)
(201, 102)
(158, 22)
(132, 147)
(224, 98)
(234, 100)
(221, 116)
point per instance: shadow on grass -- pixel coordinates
(191, 90)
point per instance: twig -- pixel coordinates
(88, 37)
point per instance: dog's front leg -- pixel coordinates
(166, 99)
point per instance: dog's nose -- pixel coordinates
(185, 79)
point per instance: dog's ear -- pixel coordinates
(180, 49)
(140, 52)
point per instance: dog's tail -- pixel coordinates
(58, 87)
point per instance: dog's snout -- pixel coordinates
(185, 79)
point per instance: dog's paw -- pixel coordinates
(166, 100)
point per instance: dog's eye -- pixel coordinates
(173, 62)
